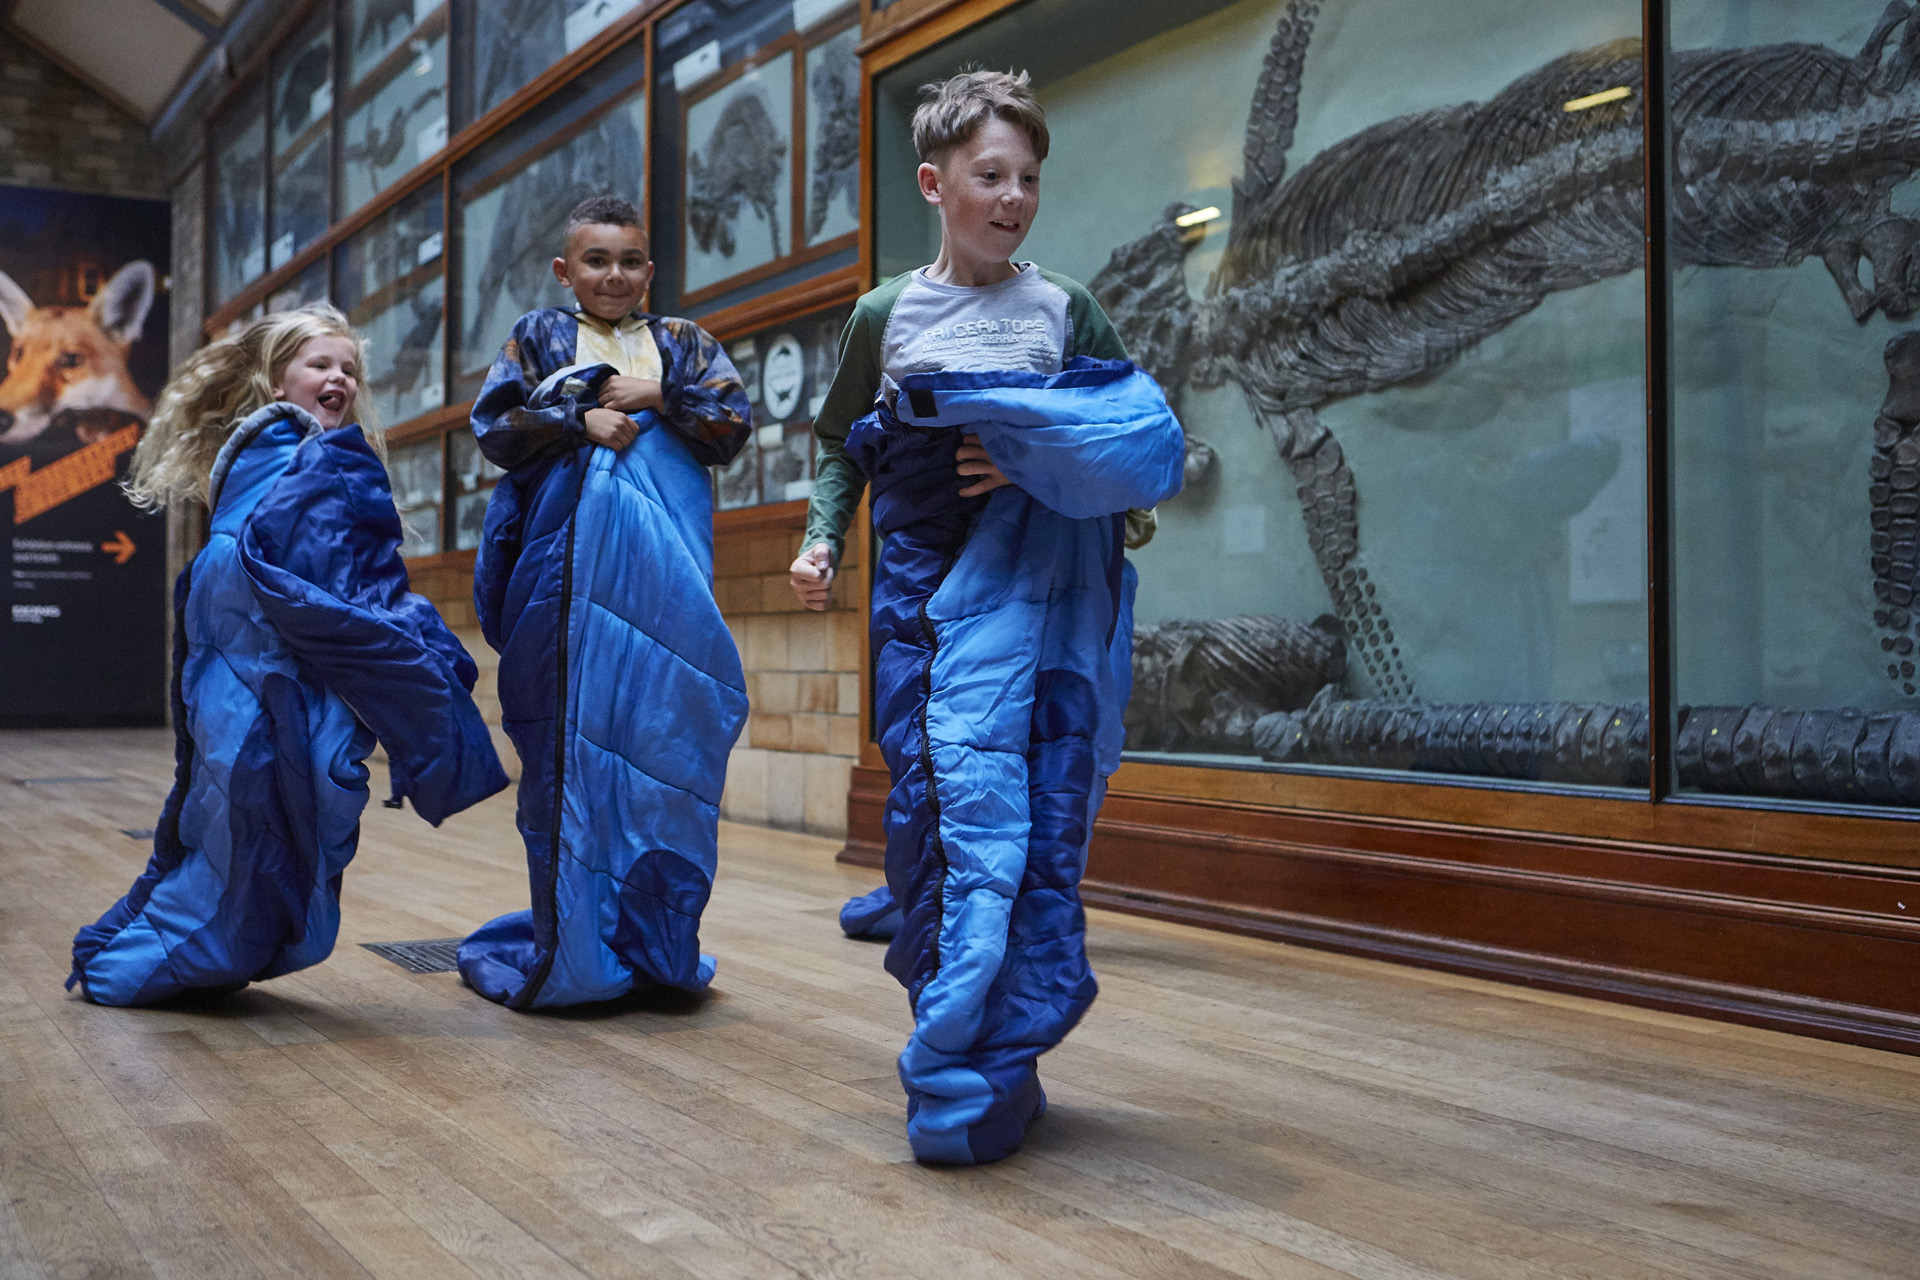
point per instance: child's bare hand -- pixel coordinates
(630, 395)
(608, 429)
(975, 462)
(812, 575)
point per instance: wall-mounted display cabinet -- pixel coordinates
(1540, 603)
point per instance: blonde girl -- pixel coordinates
(296, 646)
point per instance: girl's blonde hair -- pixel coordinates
(214, 391)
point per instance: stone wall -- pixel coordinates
(791, 767)
(56, 132)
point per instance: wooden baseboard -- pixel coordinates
(1817, 947)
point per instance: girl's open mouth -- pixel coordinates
(333, 401)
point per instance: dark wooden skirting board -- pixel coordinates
(1816, 947)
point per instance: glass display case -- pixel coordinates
(301, 82)
(473, 478)
(418, 476)
(786, 368)
(515, 40)
(396, 101)
(388, 280)
(1794, 403)
(1412, 537)
(309, 285)
(237, 218)
(511, 205)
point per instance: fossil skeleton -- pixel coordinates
(1895, 493)
(1397, 249)
(1845, 755)
(744, 158)
(1201, 686)
(834, 87)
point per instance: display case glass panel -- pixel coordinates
(512, 222)
(473, 479)
(515, 40)
(1796, 393)
(738, 208)
(237, 244)
(389, 281)
(309, 285)
(396, 105)
(787, 368)
(302, 80)
(1412, 533)
(418, 483)
(833, 138)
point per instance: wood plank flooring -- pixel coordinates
(1230, 1108)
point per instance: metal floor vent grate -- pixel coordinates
(429, 955)
(53, 782)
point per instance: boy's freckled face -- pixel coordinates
(607, 268)
(988, 190)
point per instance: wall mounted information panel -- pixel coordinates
(301, 82)
(237, 212)
(786, 368)
(396, 100)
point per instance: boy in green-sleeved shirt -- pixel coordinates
(981, 137)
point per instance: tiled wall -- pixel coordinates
(791, 766)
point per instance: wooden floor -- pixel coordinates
(1229, 1108)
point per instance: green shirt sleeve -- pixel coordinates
(837, 483)
(1093, 334)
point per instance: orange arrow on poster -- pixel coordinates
(120, 547)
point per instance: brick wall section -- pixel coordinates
(56, 132)
(792, 765)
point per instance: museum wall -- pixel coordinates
(58, 133)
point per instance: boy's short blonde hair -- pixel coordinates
(952, 111)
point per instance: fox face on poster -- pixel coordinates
(84, 333)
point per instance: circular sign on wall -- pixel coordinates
(783, 377)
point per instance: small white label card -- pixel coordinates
(696, 66)
(796, 489)
(433, 395)
(772, 436)
(430, 248)
(432, 138)
(282, 249)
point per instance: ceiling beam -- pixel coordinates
(192, 16)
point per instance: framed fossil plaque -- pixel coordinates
(738, 204)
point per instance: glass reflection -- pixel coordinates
(302, 115)
(515, 40)
(310, 285)
(397, 106)
(510, 232)
(417, 484)
(1412, 535)
(391, 286)
(1796, 392)
(473, 481)
(239, 216)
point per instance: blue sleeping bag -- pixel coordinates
(296, 645)
(1002, 636)
(622, 690)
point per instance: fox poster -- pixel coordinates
(83, 325)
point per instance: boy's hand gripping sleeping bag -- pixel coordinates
(621, 688)
(296, 645)
(1002, 638)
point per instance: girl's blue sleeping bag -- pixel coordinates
(1002, 635)
(621, 688)
(296, 645)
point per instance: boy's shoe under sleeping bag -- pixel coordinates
(622, 690)
(1002, 638)
(296, 645)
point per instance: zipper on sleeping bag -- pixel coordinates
(538, 979)
(939, 846)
